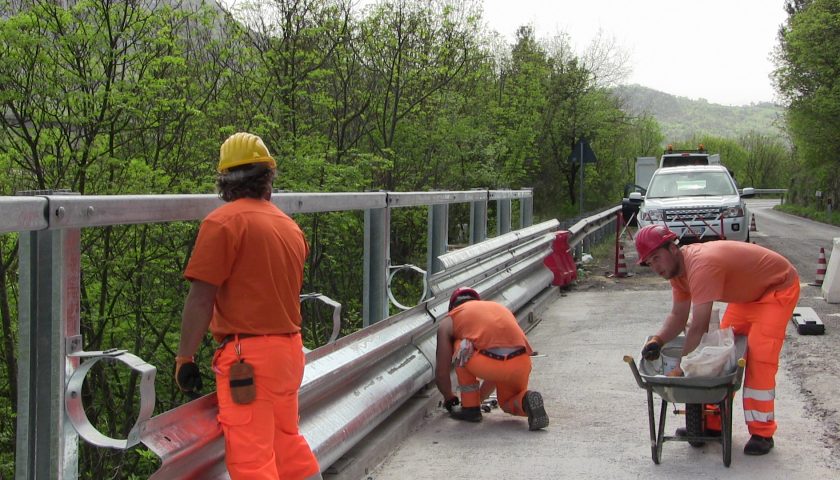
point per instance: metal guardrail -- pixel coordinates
(770, 191)
(350, 385)
(354, 384)
(49, 227)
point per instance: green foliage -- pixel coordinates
(806, 75)
(820, 214)
(682, 118)
(106, 98)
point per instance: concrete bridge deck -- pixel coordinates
(599, 423)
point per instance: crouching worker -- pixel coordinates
(761, 288)
(486, 343)
(246, 272)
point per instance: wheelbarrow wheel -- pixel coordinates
(694, 423)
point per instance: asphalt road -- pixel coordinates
(599, 421)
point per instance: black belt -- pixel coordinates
(231, 337)
(496, 356)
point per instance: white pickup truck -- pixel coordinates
(698, 203)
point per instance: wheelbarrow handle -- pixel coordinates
(630, 361)
(739, 374)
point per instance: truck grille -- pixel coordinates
(689, 214)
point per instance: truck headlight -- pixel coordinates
(730, 212)
(653, 215)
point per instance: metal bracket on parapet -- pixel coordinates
(73, 395)
(398, 268)
(336, 316)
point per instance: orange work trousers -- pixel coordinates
(262, 439)
(764, 323)
(510, 376)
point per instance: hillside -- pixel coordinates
(681, 118)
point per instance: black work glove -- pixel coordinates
(187, 376)
(449, 403)
(652, 348)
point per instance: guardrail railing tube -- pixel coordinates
(377, 253)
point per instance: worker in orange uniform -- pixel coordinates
(761, 288)
(246, 274)
(486, 342)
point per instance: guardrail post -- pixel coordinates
(377, 253)
(503, 206)
(478, 221)
(49, 279)
(526, 211)
(438, 238)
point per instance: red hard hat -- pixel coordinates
(651, 237)
(461, 295)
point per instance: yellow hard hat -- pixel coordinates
(243, 149)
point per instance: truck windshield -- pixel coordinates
(685, 184)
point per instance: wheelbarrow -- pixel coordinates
(695, 393)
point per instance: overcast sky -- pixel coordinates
(714, 49)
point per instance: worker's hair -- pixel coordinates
(247, 181)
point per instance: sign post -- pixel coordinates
(582, 150)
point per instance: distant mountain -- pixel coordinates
(681, 118)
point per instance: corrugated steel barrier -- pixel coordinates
(350, 385)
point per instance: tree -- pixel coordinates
(806, 78)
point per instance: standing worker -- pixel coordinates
(246, 274)
(761, 288)
(489, 344)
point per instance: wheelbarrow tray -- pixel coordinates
(692, 389)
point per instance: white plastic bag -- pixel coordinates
(465, 351)
(714, 356)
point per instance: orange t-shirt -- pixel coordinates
(255, 254)
(487, 325)
(731, 272)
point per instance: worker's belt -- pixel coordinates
(496, 356)
(232, 336)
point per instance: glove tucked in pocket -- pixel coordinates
(242, 388)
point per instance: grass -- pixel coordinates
(602, 253)
(815, 214)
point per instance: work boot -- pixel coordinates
(467, 414)
(532, 403)
(758, 445)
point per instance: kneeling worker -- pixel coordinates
(761, 288)
(487, 343)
